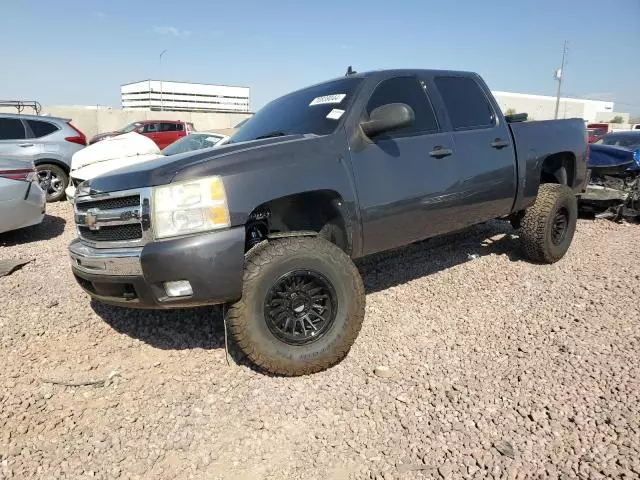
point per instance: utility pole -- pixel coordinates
(161, 96)
(559, 74)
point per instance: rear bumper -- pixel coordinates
(23, 212)
(134, 277)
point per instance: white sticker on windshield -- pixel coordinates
(328, 99)
(335, 114)
(212, 139)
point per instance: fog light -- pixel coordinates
(179, 288)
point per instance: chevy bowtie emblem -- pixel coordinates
(91, 219)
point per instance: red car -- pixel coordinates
(595, 134)
(162, 132)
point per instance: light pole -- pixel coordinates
(558, 76)
(161, 96)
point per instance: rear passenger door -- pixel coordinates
(14, 141)
(169, 133)
(40, 133)
(404, 178)
(484, 148)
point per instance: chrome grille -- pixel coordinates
(111, 203)
(115, 219)
(117, 233)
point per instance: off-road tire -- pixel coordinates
(536, 235)
(267, 263)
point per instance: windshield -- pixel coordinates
(193, 141)
(130, 128)
(315, 110)
(627, 141)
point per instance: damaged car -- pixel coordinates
(613, 191)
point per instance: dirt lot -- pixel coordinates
(500, 368)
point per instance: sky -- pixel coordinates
(79, 52)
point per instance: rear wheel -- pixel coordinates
(53, 180)
(548, 226)
(302, 306)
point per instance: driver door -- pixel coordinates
(406, 179)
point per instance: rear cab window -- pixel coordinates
(41, 129)
(409, 91)
(466, 103)
(12, 129)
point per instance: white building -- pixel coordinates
(541, 107)
(184, 97)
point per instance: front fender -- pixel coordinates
(311, 165)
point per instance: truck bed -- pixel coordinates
(535, 141)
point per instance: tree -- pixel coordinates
(510, 111)
(617, 119)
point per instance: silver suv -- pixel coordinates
(49, 142)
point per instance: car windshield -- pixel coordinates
(314, 110)
(193, 141)
(130, 128)
(627, 141)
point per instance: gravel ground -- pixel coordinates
(499, 368)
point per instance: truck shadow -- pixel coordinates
(167, 329)
(51, 227)
(395, 267)
(203, 327)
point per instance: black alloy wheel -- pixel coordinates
(560, 226)
(300, 307)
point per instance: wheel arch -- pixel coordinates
(312, 212)
(559, 168)
(53, 161)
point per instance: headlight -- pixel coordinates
(636, 156)
(189, 207)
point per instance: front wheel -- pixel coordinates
(548, 226)
(302, 306)
(53, 180)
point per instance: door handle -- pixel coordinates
(498, 143)
(26, 145)
(440, 152)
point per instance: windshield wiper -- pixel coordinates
(271, 135)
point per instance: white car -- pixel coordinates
(22, 201)
(130, 149)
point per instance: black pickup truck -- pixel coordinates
(269, 223)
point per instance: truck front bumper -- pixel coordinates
(212, 263)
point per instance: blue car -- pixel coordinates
(614, 177)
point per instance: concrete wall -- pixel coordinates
(91, 121)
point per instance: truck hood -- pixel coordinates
(210, 161)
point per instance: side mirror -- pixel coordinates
(388, 117)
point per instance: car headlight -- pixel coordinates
(189, 207)
(636, 156)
